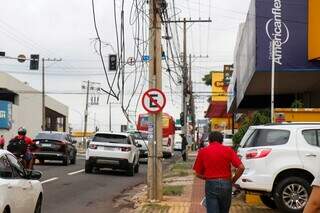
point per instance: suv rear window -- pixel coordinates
(111, 138)
(267, 137)
(50, 136)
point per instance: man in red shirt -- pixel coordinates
(213, 164)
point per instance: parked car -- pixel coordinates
(55, 146)
(20, 189)
(227, 138)
(178, 141)
(281, 162)
(141, 138)
(113, 150)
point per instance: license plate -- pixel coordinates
(46, 145)
(107, 161)
(108, 148)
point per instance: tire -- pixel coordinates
(38, 207)
(88, 167)
(74, 159)
(6, 210)
(130, 171)
(136, 168)
(66, 160)
(268, 201)
(290, 185)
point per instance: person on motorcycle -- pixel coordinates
(27, 156)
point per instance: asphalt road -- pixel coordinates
(68, 189)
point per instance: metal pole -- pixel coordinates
(110, 116)
(272, 81)
(43, 98)
(86, 116)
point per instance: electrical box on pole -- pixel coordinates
(112, 62)
(34, 62)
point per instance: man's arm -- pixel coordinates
(238, 173)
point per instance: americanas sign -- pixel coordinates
(286, 22)
(5, 114)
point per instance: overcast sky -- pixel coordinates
(64, 29)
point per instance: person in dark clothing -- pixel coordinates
(213, 164)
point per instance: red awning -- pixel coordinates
(217, 109)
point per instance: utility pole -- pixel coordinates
(89, 86)
(43, 90)
(185, 69)
(86, 116)
(154, 176)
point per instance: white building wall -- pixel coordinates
(27, 112)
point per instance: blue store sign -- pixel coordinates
(5, 114)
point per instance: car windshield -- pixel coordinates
(140, 135)
(50, 136)
(111, 138)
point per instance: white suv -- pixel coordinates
(281, 162)
(112, 150)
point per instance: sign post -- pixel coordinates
(153, 101)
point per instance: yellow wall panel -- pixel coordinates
(218, 91)
(314, 30)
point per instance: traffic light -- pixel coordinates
(182, 118)
(34, 62)
(113, 62)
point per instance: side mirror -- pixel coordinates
(33, 174)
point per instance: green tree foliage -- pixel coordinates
(207, 79)
(297, 104)
(257, 118)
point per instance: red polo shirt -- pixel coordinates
(214, 161)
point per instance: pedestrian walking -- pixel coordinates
(313, 204)
(213, 164)
(2, 142)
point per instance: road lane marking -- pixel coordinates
(76, 172)
(49, 180)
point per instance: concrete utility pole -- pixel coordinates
(185, 69)
(86, 116)
(154, 176)
(43, 90)
(89, 85)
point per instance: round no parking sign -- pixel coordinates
(153, 100)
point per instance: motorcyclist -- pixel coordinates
(26, 156)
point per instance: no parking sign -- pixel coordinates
(153, 100)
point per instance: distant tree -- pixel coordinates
(207, 79)
(297, 104)
(258, 118)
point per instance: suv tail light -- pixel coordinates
(125, 149)
(169, 142)
(92, 146)
(257, 153)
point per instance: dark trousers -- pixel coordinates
(218, 195)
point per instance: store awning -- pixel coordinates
(217, 109)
